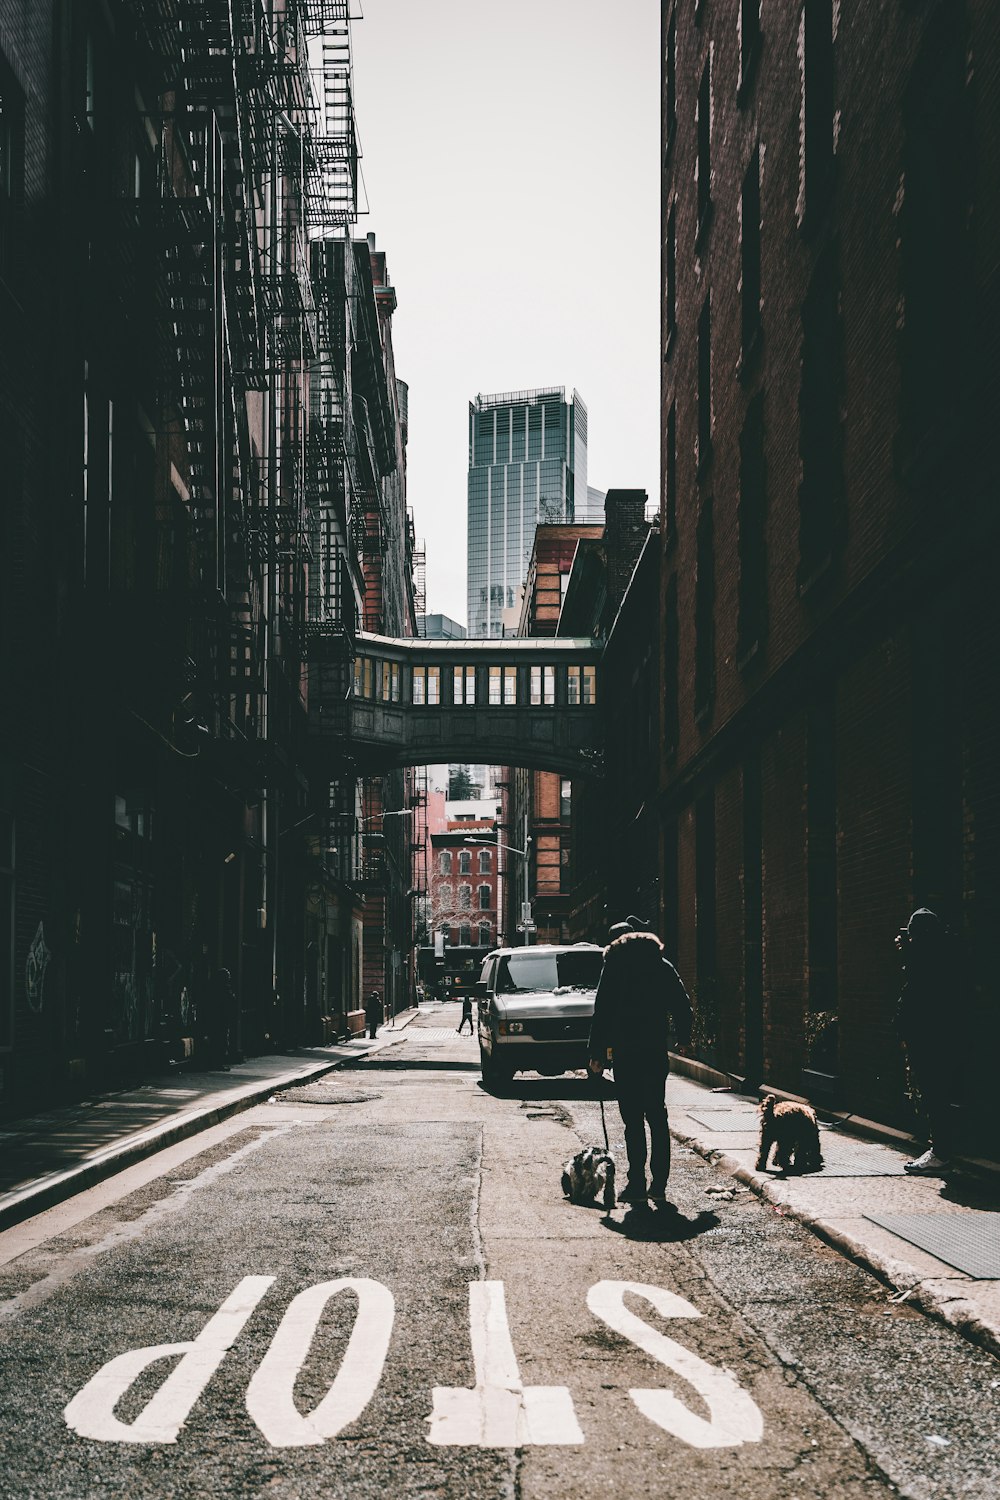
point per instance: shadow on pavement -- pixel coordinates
(662, 1225)
(971, 1192)
(378, 1064)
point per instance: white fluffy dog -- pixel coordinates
(590, 1175)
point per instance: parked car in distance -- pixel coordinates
(535, 1009)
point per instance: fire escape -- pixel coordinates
(336, 529)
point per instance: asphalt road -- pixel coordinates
(374, 1287)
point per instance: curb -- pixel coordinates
(956, 1312)
(44, 1193)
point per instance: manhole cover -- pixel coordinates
(318, 1093)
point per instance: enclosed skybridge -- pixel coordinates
(514, 701)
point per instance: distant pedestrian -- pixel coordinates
(638, 995)
(927, 1021)
(466, 1015)
(374, 1013)
(219, 1020)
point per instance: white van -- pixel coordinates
(535, 1009)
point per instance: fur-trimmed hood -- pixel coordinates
(638, 993)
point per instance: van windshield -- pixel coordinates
(528, 971)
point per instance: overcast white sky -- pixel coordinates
(511, 163)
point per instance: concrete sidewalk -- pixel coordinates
(935, 1241)
(49, 1157)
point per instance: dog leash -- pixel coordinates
(604, 1125)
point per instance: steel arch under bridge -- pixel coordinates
(515, 701)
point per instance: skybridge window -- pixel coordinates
(426, 686)
(363, 677)
(543, 686)
(581, 685)
(463, 684)
(503, 686)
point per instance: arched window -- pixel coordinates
(484, 898)
(465, 936)
(464, 862)
(465, 897)
(484, 861)
(485, 935)
(446, 862)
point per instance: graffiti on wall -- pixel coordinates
(34, 970)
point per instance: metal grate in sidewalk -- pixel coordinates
(731, 1120)
(968, 1241)
(846, 1157)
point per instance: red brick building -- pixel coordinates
(537, 811)
(829, 725)
(464, 883)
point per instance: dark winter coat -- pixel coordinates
(932, 984)
(638, 996)
(374, 1012)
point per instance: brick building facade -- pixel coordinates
(463, 883)
(611, 594)
(190, 476)
(830, 321)
(537, 811)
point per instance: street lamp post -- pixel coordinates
(522, 854)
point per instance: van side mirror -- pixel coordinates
(480, 989)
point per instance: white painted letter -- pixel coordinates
(269, 1395)
(499, 1412)
(734, 1418)
(92, 1412)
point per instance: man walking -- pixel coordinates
(374, 1013)
(638, 995)
(466, 1015)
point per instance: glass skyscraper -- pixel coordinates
(527, 464)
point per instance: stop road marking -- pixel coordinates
(498, 1412)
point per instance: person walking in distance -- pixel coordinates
(639, 993)
(466, 1015)
(928, 1022)
(374, 1014)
